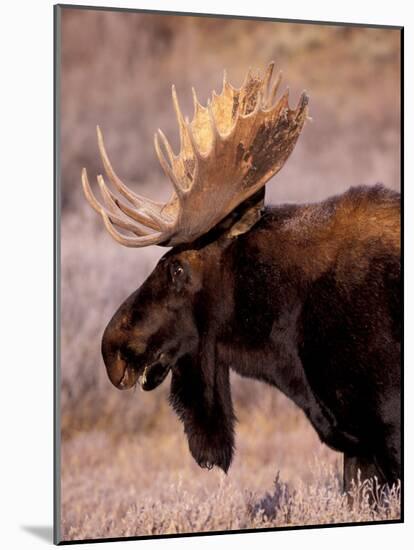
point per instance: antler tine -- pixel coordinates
(167, 147)
(266, 83)
(224, 78)
(258, 102)
(195, 149)
(98, 207)
(113, 214)
(135, 199)
(275, 89)
(248, 77)
(151, 209)
(115, 205)
(188, 147)
(197, 105)
(125, 240)
(302, 103)
(282, 104)
(111, 203)
(144, 218)
(180, 117)
(268, 75)
(90, 197)
(213, 124)
(164, 164)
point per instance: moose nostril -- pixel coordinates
(137, 347)
(118, 368)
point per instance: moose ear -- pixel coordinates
(244, 216)
(203, 403)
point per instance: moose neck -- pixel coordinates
(262, 339)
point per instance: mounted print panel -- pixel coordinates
(228, 321)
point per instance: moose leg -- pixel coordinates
(360, 468)
(365, 465)
(385, 461)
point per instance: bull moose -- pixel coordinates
(303, 297)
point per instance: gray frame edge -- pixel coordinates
(56, 269)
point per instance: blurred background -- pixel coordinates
(126, 469)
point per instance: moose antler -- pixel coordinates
(229, 150)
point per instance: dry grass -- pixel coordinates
(144, 482)
(150, 501)
(126, 469)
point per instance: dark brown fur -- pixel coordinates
(308, 301)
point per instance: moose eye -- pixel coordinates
(179, 275)
(177, 271)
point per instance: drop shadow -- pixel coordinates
(44, 532)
